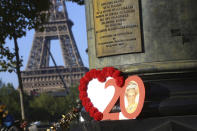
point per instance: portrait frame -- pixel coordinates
(140, 104)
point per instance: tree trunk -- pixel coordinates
(21, 93)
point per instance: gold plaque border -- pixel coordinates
(140, 29)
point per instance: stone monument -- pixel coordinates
(156, 40)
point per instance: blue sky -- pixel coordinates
(77, 14)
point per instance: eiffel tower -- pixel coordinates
(38, 76)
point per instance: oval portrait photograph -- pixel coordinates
(132, 97)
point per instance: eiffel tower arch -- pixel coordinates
(38, 76)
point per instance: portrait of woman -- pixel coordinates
(131, 96)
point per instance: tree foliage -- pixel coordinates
(49, 108)
(38, 108)
(16, 17)
(44, 107)
(12, 103)
(19, 15)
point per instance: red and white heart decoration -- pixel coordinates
(99, 90)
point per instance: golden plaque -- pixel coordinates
(117, 27)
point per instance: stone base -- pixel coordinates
(172, 123)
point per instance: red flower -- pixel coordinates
(85, 100)
(116, 73)
(101, 77)
(93, 110)
(97, 73)
(119, 81)
(88, 106)
(98, 116)
(82, 95)
(82, 87)
(93, 73)
(108, 71)
(83, 81)
(88, 76)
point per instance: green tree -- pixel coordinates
(50, 108)
(41, 106)
(72, 97)
(12, 103)
(46, 107)
(16, 17)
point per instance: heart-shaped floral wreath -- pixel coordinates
(101, 75)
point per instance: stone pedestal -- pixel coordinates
(168, 36)
(178, 123)
(166, 59)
